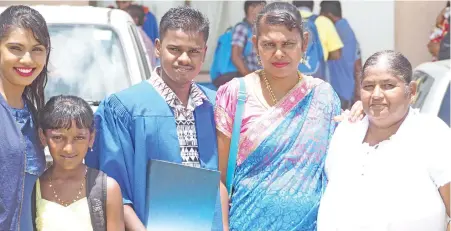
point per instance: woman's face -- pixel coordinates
(68, 147)
(280, 49)
(385, 98)
(22, 57)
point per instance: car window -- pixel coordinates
(87, 61)
(424, 82)
(444, 112)
(144, 66)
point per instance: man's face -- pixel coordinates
(123, 5)
(182, 54)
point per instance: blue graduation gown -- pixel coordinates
(136, 125)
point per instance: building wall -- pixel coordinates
(414, 21)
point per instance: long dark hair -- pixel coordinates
(20, 16)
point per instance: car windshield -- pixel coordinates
(87, 61)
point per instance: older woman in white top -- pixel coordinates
(390, 171)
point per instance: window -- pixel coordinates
(444, 112)
(86, 61)
(144, 64)
(424, 82)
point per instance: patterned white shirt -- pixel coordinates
(184, 117)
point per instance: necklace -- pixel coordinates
(268, 86)
(65, 203)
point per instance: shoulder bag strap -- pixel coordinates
(96, 195)
(235, 140)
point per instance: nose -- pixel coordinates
(68, 148)
(279, 54)
(26, 59)
(184, 59)
(377, 92)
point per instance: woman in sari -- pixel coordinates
(286, 127)
(391, 170)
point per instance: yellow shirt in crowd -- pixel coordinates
(328, 35)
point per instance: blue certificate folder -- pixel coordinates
(180, 197)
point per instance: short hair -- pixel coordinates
(308, 4)
(137, 11)
(60, 111)
(185, 18)
(333, 7)
(248, 4)
(281, 13)
(398, 64)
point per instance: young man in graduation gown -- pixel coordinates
(168, 117)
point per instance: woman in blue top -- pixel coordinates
(24, 54)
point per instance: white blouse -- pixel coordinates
(392, 186)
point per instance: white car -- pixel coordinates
(433, 97)
(94, 52)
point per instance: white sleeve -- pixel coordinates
(439, 151)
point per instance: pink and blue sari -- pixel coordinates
(280, 176)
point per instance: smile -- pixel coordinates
(24, 72)
(280, 64)
(68, 156)
(183, 69)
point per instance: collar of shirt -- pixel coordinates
(196, 95)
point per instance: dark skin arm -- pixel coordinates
(357, 74)
(445, 194)
(132, 222)
(223, 151)
(237, 59)
(334, 55)
(114, 212)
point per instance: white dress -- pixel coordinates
(389, 187)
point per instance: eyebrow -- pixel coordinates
(21, 45)
(189, 48)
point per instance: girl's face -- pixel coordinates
(68, 147)
(280, 49)
(22, 57)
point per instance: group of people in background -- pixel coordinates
(290, 159)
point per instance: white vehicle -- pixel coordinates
(94, 52)
(433, 97)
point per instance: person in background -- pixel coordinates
(150, 25)
(137, 13)
(69, 195)
(439, 33)
(149, 120)
(242, 33)
(330, 40)
(391, 170)
(345, 71)
(24, 55)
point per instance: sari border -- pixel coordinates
(268, 122)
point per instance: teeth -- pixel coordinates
(25, 70)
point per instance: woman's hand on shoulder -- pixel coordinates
(114, 206)
(355, 114)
